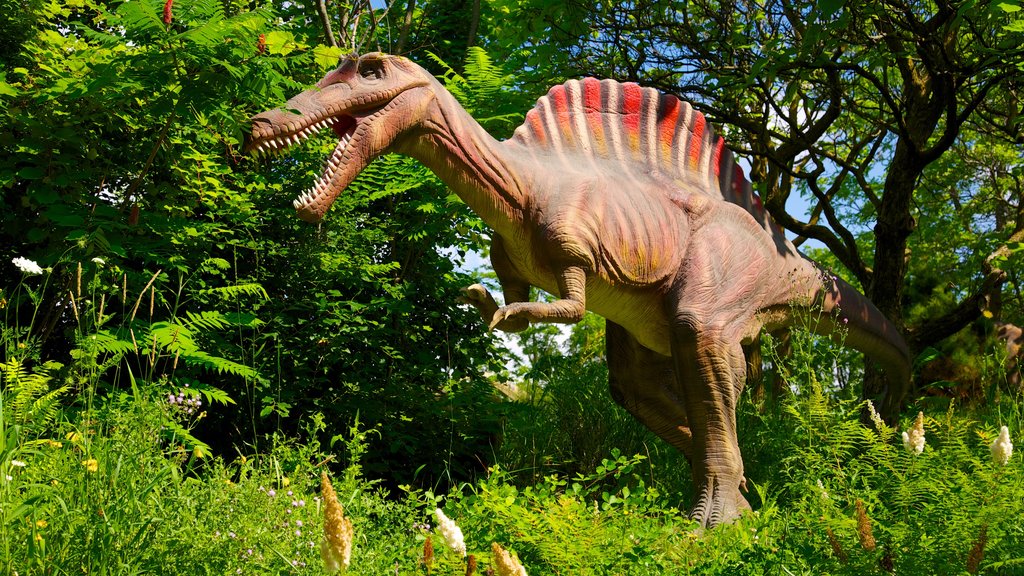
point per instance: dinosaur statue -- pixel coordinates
(616, 199)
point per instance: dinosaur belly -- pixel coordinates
(641, 313)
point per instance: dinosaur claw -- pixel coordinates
(495, 320)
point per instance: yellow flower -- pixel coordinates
(39, 538)
(54, 444)
(40, 523)
(285, 481)
(74, 437)
(91, 464)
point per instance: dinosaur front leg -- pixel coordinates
(710, 372)
(480, 298)
(568, 309)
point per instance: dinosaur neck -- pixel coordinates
(471, 162)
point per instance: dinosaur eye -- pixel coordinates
(371, 69)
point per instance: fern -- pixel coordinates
(483, 91)
(231, 292)
(219, 365)
(28, 399)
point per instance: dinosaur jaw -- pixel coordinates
(273, 134)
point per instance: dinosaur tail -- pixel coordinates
(851, 316)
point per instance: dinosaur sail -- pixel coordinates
(639, 128)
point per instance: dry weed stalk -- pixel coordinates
(837, 548)
(336, 548)
(977, 553)
(867, 539)
(428, 553)
(504, 562)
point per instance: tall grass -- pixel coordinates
(100, 473)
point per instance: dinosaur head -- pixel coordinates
(368, 101)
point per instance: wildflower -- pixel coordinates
(41, 524)
(824, 493)
(867, 538)
(913, 441)
(74, 436)
(21, 464)
(8, 477)
(285, 482)
(876, 418)
(39, 538)
(298, 523)
(271, 493)
(504, 562)
(336, 547)
(1002, 448)
(99, 261)
(91, 464)
(168, 16)
(451, 533)
(27, 266)
(54, 444)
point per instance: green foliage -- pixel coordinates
(122, 143)
(26, 395)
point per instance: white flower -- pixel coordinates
(875, 416)
(913, 441)
(21, 464)
(99, 261)
(27, 266)
(1002, 448)
(451, 533)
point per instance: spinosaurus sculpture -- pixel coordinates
(616, 199)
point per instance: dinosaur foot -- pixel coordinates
(514, 317)
(718, 502)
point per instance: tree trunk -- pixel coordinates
(894, 226)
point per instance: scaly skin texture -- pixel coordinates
(601, 200)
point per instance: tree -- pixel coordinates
(121, 139)
(851, 105)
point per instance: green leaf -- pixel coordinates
(1009, 8)
(326, 56)
(31, 172)
(6, 89)
(281, 43)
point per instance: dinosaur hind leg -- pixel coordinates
(643, 382)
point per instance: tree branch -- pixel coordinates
(325, 19)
